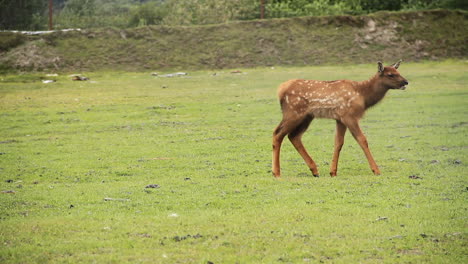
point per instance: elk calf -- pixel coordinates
(343, 100)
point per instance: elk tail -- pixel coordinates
(282, 89)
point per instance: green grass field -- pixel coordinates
(75, 158)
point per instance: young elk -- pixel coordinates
(342, 100)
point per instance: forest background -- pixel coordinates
(33, 14)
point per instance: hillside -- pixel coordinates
(412, 36)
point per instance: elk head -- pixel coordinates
(390, 78)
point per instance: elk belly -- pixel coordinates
(326, 107)
(324, 113)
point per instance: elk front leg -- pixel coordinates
(339, 141)
(353, 126)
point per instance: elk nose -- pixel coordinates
(405, 82)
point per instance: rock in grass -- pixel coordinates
(170, 75)
(79, 78)
(116, 199)
(154, 186)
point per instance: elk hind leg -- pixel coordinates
(295, 136)
(278, 136)
(339, 141)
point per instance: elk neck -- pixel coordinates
(372, 90)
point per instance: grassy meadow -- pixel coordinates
(76, 158)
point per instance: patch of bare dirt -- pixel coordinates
(376, 32)
(32, 57)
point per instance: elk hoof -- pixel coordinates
(315, 172)
(333, 174)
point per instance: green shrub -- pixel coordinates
(150, 13)
(293, 8)
(429, 4)
(9, 40)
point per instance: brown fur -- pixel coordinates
(343, 100)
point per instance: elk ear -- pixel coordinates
(397, 64)
(381, 67)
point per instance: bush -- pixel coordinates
(80, 8)
(187, 12)
(429, 4)
(292, 8)
(9, 40)
(150, 13)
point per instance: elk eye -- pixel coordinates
(391, 75)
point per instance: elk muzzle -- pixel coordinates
(403, 84)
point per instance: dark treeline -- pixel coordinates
(33, 14)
